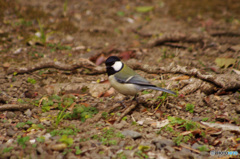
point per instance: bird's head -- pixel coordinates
(113, 65)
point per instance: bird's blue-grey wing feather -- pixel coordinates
(127, 75)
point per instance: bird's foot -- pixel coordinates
(122, 102)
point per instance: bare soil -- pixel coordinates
(58, 48)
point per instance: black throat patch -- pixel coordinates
(111, 71)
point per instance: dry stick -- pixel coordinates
(175, 38)
(197, 151)
(15, 107)
(226, 82)
(127, 111)
(224, 33)
(81, 63)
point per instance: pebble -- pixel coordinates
(132, 134)
(150, 135)
(160, 144)
(196, 145)
(120, 125)
(10, 132)
(34, 121)
(10, 115)
(28, 113)
(71, 156)
(237, 109)
(196, 119)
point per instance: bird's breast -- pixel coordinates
(123, 88)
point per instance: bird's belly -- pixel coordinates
(125, 89)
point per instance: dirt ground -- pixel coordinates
(56, 102)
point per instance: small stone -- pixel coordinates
(28, 113)
(71, 156)
(132, 134)
(160, 144)
(59, 147)
(196, 145)
(10, 115)
(170, 149)
(11, 132)
(40, 150)
(120, 125)
(34, 121)
(196, 119)
(150, 135)
(237, 109)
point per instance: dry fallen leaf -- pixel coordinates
(179, 78)
(100, 59)
(225, 62)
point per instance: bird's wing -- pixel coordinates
(127, 75)
(135, 79)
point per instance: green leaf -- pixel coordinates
(78, 151)
(225, 62)
(67, 140)
(120, 13)
(7, 149)
(22, 141)
(144, 9)
(144, 148)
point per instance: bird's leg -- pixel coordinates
(122, 102)
(135, 98)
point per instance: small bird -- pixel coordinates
(125, 80)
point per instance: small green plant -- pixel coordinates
(22, 141)
(205, 119)
(58, 46)
(78, 151)
(162, 99)
(141, 154)
(46, 105)
(106, 136)
(121, 156)
(7, 149)
(36, 55)
(65, 131)
(31, 80)
(124, 118)
(105, 115)
(61, 115)
(66, 151)
(67, 140)
(145, 92)
(190, 107)
(21, 124)
(177, 140)
(81, 112)
(19, 100)
(41, 139)
(43, 36)
(129, 147)
(65, 6)
(203, 148)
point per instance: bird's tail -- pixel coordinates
(161, 89)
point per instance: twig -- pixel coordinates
(223, 81)
(81, 63)
(127, 111)
(175, 38)
(15, 107)
(224, 33)
(194, 150)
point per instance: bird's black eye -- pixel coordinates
(110, 63)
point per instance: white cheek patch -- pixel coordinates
(117, 65)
